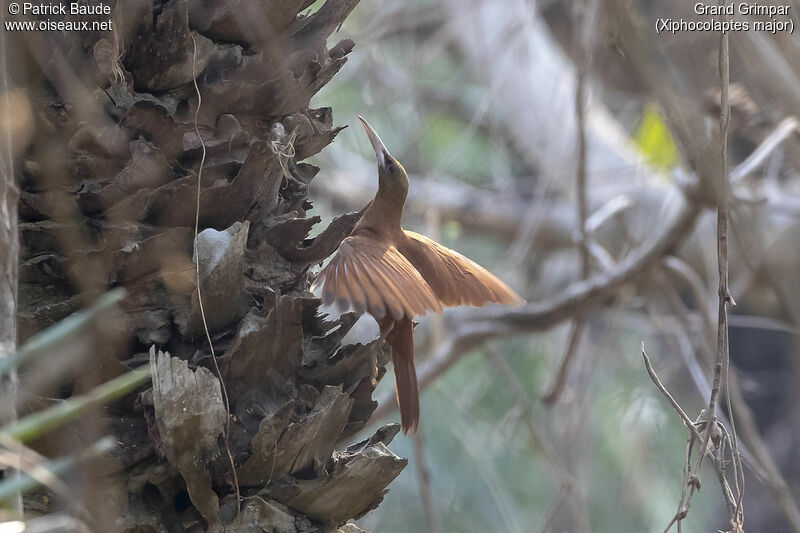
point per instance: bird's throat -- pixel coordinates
(385, 213)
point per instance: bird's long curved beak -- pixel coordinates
(380, 149)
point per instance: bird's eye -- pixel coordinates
(390, 167)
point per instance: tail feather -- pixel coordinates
(401, 339)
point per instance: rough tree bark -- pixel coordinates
(109, 198)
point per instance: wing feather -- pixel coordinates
(418, 301)
(328, 289)
(390, 297)
(339, 286)
(403, 285)
(371, 294)
(368, 274)
(357, 297)
(455, 279)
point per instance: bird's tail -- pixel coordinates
(401, 339)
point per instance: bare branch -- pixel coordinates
(723, 355)
(432, 520)
(573, 339)
(583, 295)
(576, 329)
(675, 405)
(788, 126)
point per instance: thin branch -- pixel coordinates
(573, 339)
(576, 329)
(712, 430)
(581, 296)
(759, 459)
(787, 126)
(690, 480)
(722, 251)
(424, 476)
(675, 405)
(679, 268)
(723, 355)
(585, 56)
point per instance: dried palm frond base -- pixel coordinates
(109, 186)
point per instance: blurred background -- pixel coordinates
(478, 100)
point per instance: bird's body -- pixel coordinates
(395, 275)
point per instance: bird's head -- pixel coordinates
(391, 173)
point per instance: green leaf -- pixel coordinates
(49, 340)
(38, 423)
(655, 140)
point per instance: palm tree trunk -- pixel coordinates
(252, 391)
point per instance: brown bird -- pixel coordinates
(394, 275)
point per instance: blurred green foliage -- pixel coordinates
(48, 343)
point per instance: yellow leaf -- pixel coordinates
(655, 140)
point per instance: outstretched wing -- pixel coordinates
(455, 279)
(373, 276)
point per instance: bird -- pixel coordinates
(396, 275)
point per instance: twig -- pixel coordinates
(424, 476)
(573, 339)
(197, 281)
(584, 56)
(690, 480)
(675, 405)
(759, 460)
(712, 430)
(723, 355)
(782, 132)
(723, 480)
(678, 267)
(722, 248)
(586, 294)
